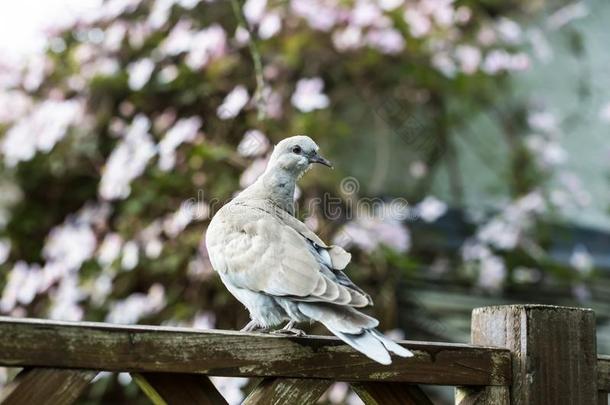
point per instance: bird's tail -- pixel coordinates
(356, 329)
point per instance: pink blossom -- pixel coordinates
(308, 95)
(128, 160)
(139, 73)
(387, 40)
(254, 143)
(184, 130)
(431, 209)
(233, 103)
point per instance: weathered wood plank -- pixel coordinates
(554, 351)
(603, 373)
(179, 389)
(376, 393)
(602, 398)
(28, 342)
(285, 391)
(46, 386)
(493, 395)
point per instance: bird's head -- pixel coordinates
(295, 155)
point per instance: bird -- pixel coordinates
(280, 270)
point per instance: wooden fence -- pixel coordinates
(520, 354)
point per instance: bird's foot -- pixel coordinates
(291, 332)
(289, 329)
(252, 326)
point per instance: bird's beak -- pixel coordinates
(319, 159)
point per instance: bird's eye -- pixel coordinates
(297, 150)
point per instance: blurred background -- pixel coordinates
(475, 134)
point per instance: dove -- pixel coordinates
(280, 270)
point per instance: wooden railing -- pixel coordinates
(524, 354)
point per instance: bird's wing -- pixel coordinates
(256, 250)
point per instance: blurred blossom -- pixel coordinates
(269, 26)
(500, 233)
(338, 392)
(175, 223)
(254, 143)
(348, 38)
(206, 45)
(204, 320)
(40, 130)
(233, 103)
(604, 113)
(498, 60)
(273, 103)
(137, 305)
(431, 209)
(242, 36)
(179, 39)
(387, 40)
(469, 58)
(581, 259)
(543, 121)
(230, 388)
(444, 63)
(368, 231)
(150, 237)
(115, 33)
(128, 160)
(70, 244)
(254, 10)
(15, 280)
(486, 36)
(509, 31)
(252, 172)
(418, 169)
(131, 255)
(184, 130)
(110, 249)
(581, 292)
(540, 45)
(5, 250)
(101, 288)
(389, 5)
(308, 95)
(526, 275)
(65, 299)
(567, 14)
(201, 46)
(419, 23)
(138, 32)
(320, 15)
(139, 73)
(549, 151)
(365, 13)
(492, 273)
(13, 105)
(168, 74)
(124, 378)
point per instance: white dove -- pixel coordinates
(282, 271)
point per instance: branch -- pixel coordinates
(256, 59)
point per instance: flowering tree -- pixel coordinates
(141, 119)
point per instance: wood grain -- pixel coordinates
(281, 391)
(46, 386)
(554, 351)
(603, 373)
(29, 342)
(374, 393)
(178, 389)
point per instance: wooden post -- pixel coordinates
(553, 350)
